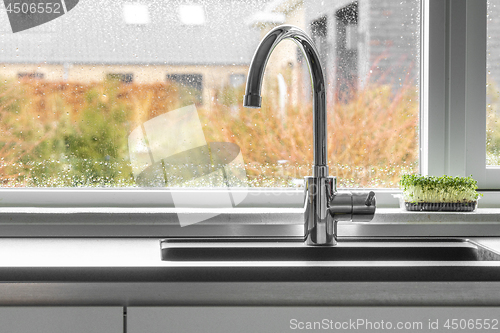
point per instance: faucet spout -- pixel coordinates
(253, 98)
(324, 206)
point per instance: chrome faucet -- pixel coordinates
(324, 206)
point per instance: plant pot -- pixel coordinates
(441, 207)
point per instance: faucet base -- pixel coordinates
(318, 224)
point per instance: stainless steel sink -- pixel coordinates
(242, 250)
(289, 260)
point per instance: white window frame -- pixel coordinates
(454, 91)
(488, 176)
(453, 86)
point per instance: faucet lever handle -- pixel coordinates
(363, 206)
(370, 199)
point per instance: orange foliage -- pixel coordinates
(372, 137)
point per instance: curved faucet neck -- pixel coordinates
(253, 98)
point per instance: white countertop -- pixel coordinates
(89, 266)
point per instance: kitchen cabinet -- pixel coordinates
(206, 319)
(286, 319)
(61, 319)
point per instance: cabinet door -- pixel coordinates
(209, 319)
(61, 319)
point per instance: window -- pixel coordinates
(121, 77)
(237, 80)
(231, 95)
(34, 75)
(77, 134)
(371, 69)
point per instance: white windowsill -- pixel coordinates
(159, 198)
(163, 222)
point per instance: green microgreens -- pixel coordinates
(443, 189)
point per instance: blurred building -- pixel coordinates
(203, 48)
(360, 42)
(207, 48)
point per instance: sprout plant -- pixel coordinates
(438, 190)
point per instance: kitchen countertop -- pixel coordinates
(129, 271)
(44, 260)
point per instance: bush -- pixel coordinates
(72, 134)
(372, 140)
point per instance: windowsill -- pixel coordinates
(255, 215)
(395, 222)
(163, 222)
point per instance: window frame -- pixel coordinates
(454, 87)
(488, 176)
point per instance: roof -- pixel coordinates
(95, 32)
(274, 12)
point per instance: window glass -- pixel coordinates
(492, 85)
(149, 93)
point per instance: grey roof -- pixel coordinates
(95, 32)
